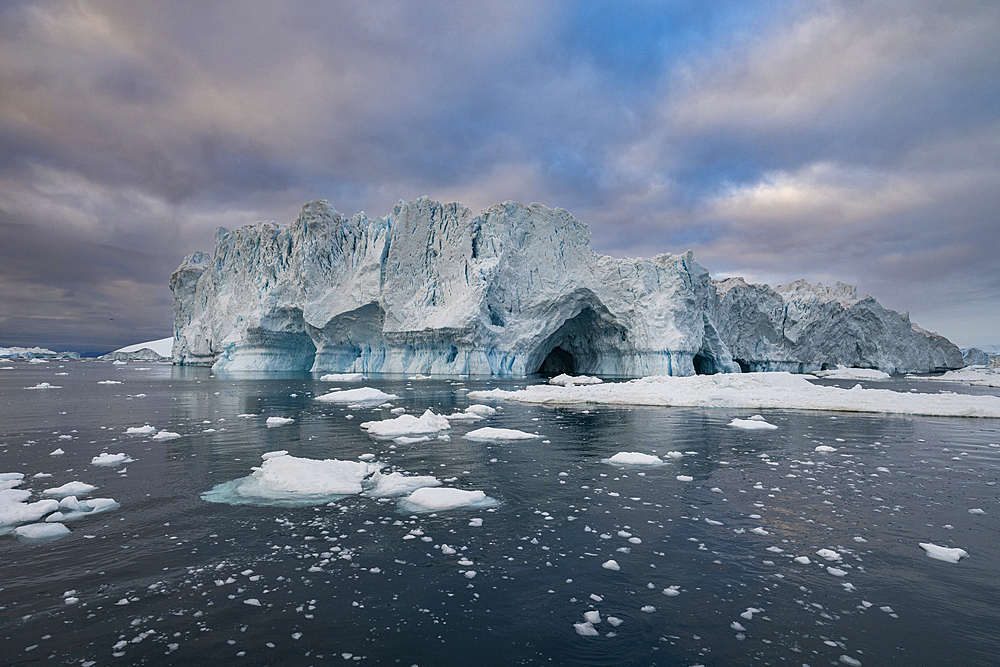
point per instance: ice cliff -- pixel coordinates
(436, 289)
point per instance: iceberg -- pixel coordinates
(435, 289)
(407, 425)
(154, 350)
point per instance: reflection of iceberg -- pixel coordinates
(514, 290)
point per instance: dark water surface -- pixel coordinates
(166, 579)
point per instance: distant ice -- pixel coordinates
(752, 391)
(755, 423)
(278, 421)
(845, 373)
(106, 459)
(407, 425)
(489, 434)
(611, 564)
(166, 435)
(443, 498)
(980, 376)
(43, 385)
(140, 430)
(685, 478)
(634, 458)
(363, 395)
(343, 377)
(162, 346)
(946, 554)
(824, 449)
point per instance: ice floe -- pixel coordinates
(106, 459)
(490, 434)
(752, 391)
(407, 425)
(363, 395)
(343, 377)
(634, 458)
(946, 554)
(15, 509)
(571, 380)
(278, 421)
(755, 423)
(981, 376)
(69, 489)
(381, 485)
(444, 498)
(166, 435)
(845, 373)
(37, 531)
(140, 430)
(44, 385)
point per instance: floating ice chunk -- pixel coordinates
(83, 508)
(585, 629)
(343, 377)
(57, 452)
(14, 509)
(648, 609)
(69, 489)
(977, 510)
(804, 560)
(253, 602)
(571, 380)
(825, 448)
(489, 434)
(614, 621)
(760, 531)
(845, 373)
(8, 480)
(829, 554)
(685, 478)
(736, 625)
(407, 425)
(634, 458)
(437, 499)
(396, 484)
(593, 616)
(37, 531)
(755, 423)
(848, 660)
(166, 435)
(481, 410)
(278, 421)
(713, 522)
(836, 571)
(44, 385)
(946, 554)
(361, 395)
(285, 480)
(406, 440)
(106, 459)
(476, 523)
(611, 565)
(109, 382)
(674, 455)
(672, 591)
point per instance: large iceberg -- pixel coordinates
(514, 290)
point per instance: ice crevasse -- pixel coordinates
(513, 290)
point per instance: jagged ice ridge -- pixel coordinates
(435, 289)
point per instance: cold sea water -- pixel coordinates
(705, 546)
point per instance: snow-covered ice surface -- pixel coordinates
(407, 425)
(722, 569)
(359, 395)
(844, 373)
(491, 434)
(977, 376)
(753, 390)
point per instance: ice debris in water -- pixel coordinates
(407, 425)
(634, 458)
(69, 489)
(685, 478)
(44, 385)
(272, 422)
(57, 452)
(845, 373)
(166, 435)
(489, 434)
(397, 484)
(140, 430)
(106, 459)
(362, 395)
(825, 449)
(611, 564)
(946, 554)
(437, 499)
(755, 423)
(36, 531)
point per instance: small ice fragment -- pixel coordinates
(481, 410)
(648, 609)
(735, 625)
(57, 452)
(836, 571)
(943, 553)
(824, 448)
(490, 434)
(585, 629)
(109, 460)
(592, 616)
(977, 510)
(469, 574)
(671, 591)
(364, 395)
(614, 621)
(611, 565)
(760, 531)
(634, 458)
(166, 435)
(278, 421)
(804, 560)
(685, 478)
(253, 602)
(829, 554)
(69, 489)
(848, 660)
(476, 523)
(435, 499)
(37, 531)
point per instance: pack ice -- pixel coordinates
(436, 289)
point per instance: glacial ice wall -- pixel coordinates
(436, 289)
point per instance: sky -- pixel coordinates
(819, 139)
